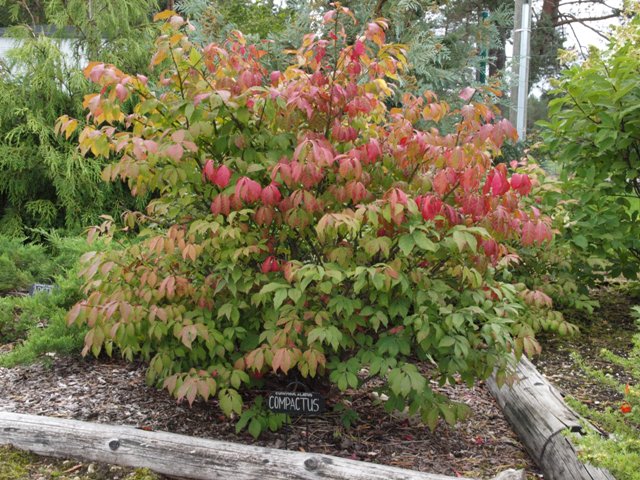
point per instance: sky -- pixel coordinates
(581, 37)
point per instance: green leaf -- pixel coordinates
(295, 294)
(406, 244)
(230, 401)
(279, 297)
(446, 342)
(272, 287)
(255, 428)
(423, 242)
(581, 241)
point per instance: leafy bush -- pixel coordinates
(300, 227)
(565, 269)
(594, 133)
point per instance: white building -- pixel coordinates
(8, 42)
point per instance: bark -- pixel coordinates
(544, 424)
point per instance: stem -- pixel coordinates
(333, 79)
(448, 194)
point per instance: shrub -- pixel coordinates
(299, 225)
(565, 269)
(594, 133)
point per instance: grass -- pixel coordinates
(19, 465)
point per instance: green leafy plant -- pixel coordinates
(258, 419)
(300, 225)
(594, 134)
(565, 270)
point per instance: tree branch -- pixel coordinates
(569, 18)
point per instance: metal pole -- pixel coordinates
(515, 61)
(484, 52)
(523, 73)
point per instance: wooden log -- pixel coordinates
(541, 418)
(183, 456)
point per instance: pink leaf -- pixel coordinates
(175, 152)
(121, 92)
(466, 93)
(221, 205)
(96, 72)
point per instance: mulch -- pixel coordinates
(112, 391)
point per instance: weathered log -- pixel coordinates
(183, 456)
(541, 418)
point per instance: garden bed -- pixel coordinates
(115, 392)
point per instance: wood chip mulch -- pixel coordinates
(112, 391)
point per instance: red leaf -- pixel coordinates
(248, 190)
(270, 265)
(521, 183)
(430, 206)
(358, 50)
(222, 177)
(271, 195)
(209, 171)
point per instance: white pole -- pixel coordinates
(523, 70)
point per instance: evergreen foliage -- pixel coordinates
(36, 324)
(619, 451)
(46, 183)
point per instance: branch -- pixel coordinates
(569, 18)
(378, 10)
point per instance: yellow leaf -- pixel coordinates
(163, 15)
(70, 128)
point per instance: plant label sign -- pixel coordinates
(40, 287)
(296, 403)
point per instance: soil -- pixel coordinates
(111, 391)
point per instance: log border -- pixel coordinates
(544, 422)
(183, 456)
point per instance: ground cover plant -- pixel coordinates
(34, 325)
(301, 225)
(619, 450)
